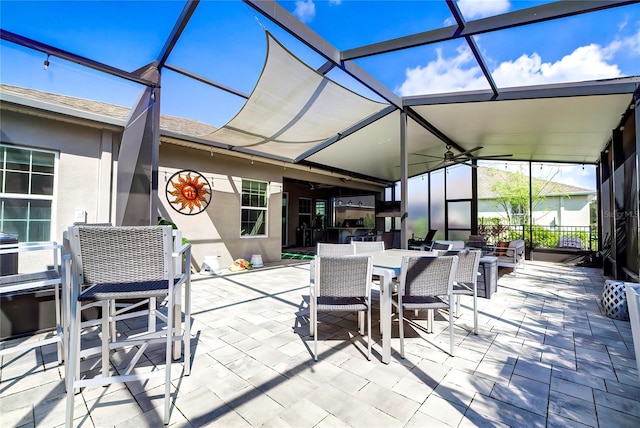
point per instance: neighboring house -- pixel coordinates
(560, 204)
(60, 155)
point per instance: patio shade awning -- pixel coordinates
(292, 110)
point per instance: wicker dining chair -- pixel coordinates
(367, 246)
(426, 282)
(128, 262)
(466, 281)
(342, 284)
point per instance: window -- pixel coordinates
(321, 214)
(254, 208)
(26, 192)
(304, 212)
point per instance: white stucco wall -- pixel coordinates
(83, 169)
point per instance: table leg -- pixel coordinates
(385, 315)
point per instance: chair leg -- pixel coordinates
(361, 322)
(312, 319)
(429, 320)
(106, 334)
(457, 305)
(475, 311)
(168, 358)
(315, 335)
(73, 356)
(401, 328)
(187, 329)
(451, 336)
(153, 305)
(112, 321)
(369, 331)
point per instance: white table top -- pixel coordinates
(392, 258)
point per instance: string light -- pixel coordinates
(46, 63)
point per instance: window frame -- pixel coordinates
(51, 198)
(264, 209)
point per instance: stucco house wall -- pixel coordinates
(216, 231)
(87, 146)
(84, 167)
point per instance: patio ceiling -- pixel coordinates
(287, 118)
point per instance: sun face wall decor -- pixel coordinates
(188, 192)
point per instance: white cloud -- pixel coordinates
(474, 9)
(585, 63)
(631, 44)
(305, 10)
(336, 2)
(461, 71)
(443, 75)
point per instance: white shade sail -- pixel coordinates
(292, 110)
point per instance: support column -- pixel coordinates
(404, 181)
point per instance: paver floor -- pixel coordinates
(545, 356)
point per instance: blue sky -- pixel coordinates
(225, 42)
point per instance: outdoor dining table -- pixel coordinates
(387, 265)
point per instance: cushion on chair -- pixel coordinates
(348, 304)
(130, 290)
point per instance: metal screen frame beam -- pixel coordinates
(455, 10)
(176, 32)
(280, 16)
(546, 12)
(627, 85)
(71, 57)
(205, 81)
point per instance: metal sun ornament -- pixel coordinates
(190, 191)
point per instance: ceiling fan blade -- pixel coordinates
(417, 163)
(494, 156)
(467, 152)
(429, 156)
(462, 162)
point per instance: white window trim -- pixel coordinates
(54, 194)
(265, 209)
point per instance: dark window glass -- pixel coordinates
(39, 230)
(17, 182)
(43, 162)
(18, 159)
(16, 227)
(15, 209)
(41, 184)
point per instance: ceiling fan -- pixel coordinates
(449, 158)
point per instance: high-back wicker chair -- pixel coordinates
(441, 248)
(426, 283)
(367, 246)
(334, 250)
(466, 281)
(134, 262)
(342, 284)
(329, 250)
